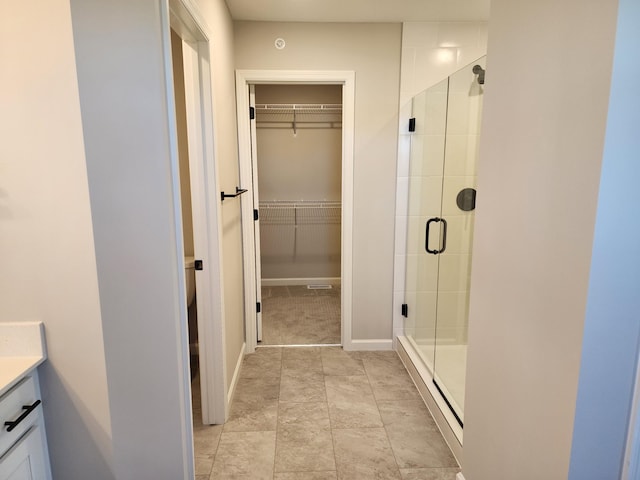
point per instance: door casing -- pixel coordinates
(244, 78)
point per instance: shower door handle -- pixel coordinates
(426, 235)
(444, 235)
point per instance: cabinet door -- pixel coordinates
(26, 459)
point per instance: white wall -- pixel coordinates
(47, 262)
(305, 167)
(611, 331)
(431, 51)
(100, 389)
(121, 48)
(540, 157)
(373, 52)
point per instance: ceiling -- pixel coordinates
(360, 10)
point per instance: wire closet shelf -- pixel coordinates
(300, 213)
(298, 115)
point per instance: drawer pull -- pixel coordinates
(27, 410)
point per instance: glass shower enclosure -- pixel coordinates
(442, 194)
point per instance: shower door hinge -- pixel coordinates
(258, 307)
(252, 113)
(405, 310)
(412, 124)
(256, 215)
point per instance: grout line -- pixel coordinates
(275, 445)
(375, 399)
(331, 428)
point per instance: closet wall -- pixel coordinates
(300, 182)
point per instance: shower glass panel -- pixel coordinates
(444, 152)
(425, 194)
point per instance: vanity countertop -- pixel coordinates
(22, 349)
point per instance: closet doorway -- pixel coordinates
(297, 180)
(296, 157)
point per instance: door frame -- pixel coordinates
(244, 78)
(207, 227)
(256, 207)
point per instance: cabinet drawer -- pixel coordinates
(12, 404)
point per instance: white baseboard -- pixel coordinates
(363, 345)
(459, 476)
(283, 282)
(236, 376)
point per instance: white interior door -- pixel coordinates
(256, 210)
(206, 231)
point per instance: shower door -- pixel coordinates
(425, 198)
(442, 184)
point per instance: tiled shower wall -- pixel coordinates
(431, 51)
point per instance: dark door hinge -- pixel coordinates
(405, 310)
(258, 307)
(412, 124)
(256, 215)
(197, 265)
(252, 113)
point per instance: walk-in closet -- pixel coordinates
(299, 171)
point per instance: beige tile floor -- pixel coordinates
(320, 413)
(296, 315)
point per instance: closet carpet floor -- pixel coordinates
(296, 315)
(320, 413)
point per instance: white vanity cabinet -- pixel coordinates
(23, 448)
(23, 445)
(27, 459)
